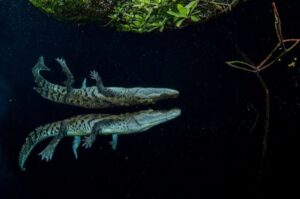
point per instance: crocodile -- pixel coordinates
(94, 97)
(90, 126)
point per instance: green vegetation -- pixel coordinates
(149, 15)
(184, 13)
(75, 10)
(141, 15)
(136, 15)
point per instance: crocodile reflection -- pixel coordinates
(90, 126)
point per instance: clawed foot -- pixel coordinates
(70, 78)
(65, 69)
(88, 141)
(94, 75)
(47, 153)
(62, 62)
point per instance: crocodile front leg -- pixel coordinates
(89, 140)
(47, 153)
(70, 78)
(97, 129)
(99, 83)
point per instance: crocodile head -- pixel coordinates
(152, 95)
(140, 121)
(144, 120)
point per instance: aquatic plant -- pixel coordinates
(148, 15)
(140, 15)
(281, 48)
(185, 13)
(136, 15)
(75, 10)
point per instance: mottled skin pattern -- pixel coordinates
(92, 124)
(95, 96)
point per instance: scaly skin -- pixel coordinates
(87, 125)
(98, 96)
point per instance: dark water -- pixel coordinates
(210, 151)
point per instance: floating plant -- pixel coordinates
(136, 15)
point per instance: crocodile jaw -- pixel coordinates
(151, 118)
(155, 94)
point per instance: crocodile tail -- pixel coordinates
(38, 78)
(39, 66)
(39, 134)
(45, 88)
(57, 95)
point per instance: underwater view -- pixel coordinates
(149, 99)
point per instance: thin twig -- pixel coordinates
(278, 26)
(265, 63)
(266, 127)
(268, 61)
(255, 120)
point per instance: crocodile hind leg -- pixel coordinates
(75, 145)
(89, 140)
(99, 83)
(114, 141)
(70, 78)
(47, 153)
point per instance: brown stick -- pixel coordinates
(266, 126)
(264, 64)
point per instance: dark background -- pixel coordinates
(210, 151)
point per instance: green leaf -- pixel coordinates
(175, 14)
(144, 1)
(192, 5)
(182, 10)
(125, 27)
(138, 17)
(179, 22)
(195, 18)
(161, 28)
(137, 23)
